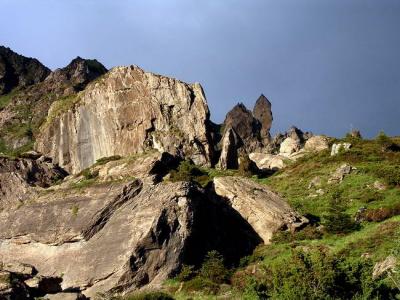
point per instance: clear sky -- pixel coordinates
(326, 65)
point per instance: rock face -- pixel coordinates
(19, 71)
(128, 111)
(262, 112)
(27, 108)
(246, 126)
(19, 176)
(265, 211)
(113, 236)
(229, 153)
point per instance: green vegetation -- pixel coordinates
(104, 160)
(353, 225)
(6, 99)
(61, 106)
(74, 210)
(149, 296)
(187, 171)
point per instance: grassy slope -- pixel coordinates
(374, 239)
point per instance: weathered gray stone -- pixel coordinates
(338, 147)
(112, 237)
(289, 146)
(265, 161)
(128, 111)
(229, 153)
(316, 143)
(265, 211)
(262, 112)
(341, 172)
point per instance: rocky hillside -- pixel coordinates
(114, 183)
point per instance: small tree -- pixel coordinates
(213, 268)
(337, 220)
(383, 140)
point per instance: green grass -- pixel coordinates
(372, 240)
(61, 106)
(6, 99)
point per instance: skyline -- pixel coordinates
(326, 68)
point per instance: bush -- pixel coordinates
(213, 268)
(104, 160)
(383, 140)
(307, 233)
(380, 214)
(186, 273)
(149, 296)
(390, 174)
(316, 274)
(209, 277)
(337, 221)
(189, 172)
(89, 174)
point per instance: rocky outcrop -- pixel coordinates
(316, 143)
(229, 153)
(340, 173)
(128, 111)
(264, 210)
(27, 107)
(266, 161)
(76, 75)
(19, 177)
(19, 71)
(336, 148)
(104, 234)
(263, 113)
(245, 125)
(289, 146)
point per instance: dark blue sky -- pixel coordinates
(326, 65)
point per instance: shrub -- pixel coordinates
(89, 174)
(307, 233)
(390, 174)
(380, 214)
(337, 220)
(189, 172)
(383, 140)
(149, 296)
(186, 273)
(213, 268)
(210, 276)
(317, 274)
(104, 160)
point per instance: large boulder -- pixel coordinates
(113, 236)
(127, 111)
(264, 210)
(289, 146)
(316, 143)
(266, 161)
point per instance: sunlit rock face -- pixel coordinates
(128, 111)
